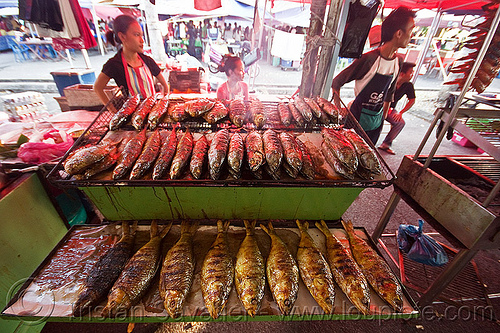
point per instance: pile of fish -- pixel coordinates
(155, 109)
(124, 278)
(162, 152)
(348, 154)
(490, 66)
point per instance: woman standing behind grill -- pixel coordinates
(234, 87)
(129, 68)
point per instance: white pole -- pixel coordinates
(86, 58)
(69, 59)
(97, 30)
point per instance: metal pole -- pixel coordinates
(472, 74)
(336, 50)
(69, 59)
(421, 57)
(86, 58)
(96, 27)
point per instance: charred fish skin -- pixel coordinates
(182, 154)
(129, 155)
(250, 273)
(284, 112)
(255, 150)
(330, 109)
(120, 117)
(316, 110)
(334, 162)
(135, 278)
(217, 272)
(198, 157)
(147, 157)
(86, 157)
(297, 116)
(292, 152)
(178, 112)
(366, 156)
(157, 112)
(237, 112)
(307, 164)
(341, 147)
(375, 269)
(314, 270)
(143, 111)
(177, 271)
(273, 150)
(303, 108)
(235, 154)
(106, 163)
(345, 271)
(282, 272)
(218, 112)
(257, 113)
(167, 151)
(105, 272)
(217, 152)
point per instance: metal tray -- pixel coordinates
(311, 135)
(33, 303)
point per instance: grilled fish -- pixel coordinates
(105, 272)
(237, 112)
(314, 270)
(235, 155)
(129, 154)
(316, 110)
(157, 112)
(275, 175)
(217, 272)
(135, 278)
(177, 271)
(330, 109)
(218, 112)
(217, 152)
(273, 150)
(178, 112)
(147, 157)
(255, 150)
(86, 157)
(366, 156)
(282, 272)
(307, 164)
(143, 111)
(257, 115)
(303, 108)
(375, 269)
(107, 162)
(341, 147)
(285, 115)
(345, 271)
(292, 152)
(272, 116)
(198, 107)
(182, 154)
(167, 151)
(120, 117)
(297, 116)
(334, 162)
(250, 272)
(198, 158)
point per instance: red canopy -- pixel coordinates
(445, 5)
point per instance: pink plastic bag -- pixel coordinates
(41, 152)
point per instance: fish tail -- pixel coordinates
(348, 226)
(153, 231)
(189, 227)
(303, 226)
(323, 227)
(165, 230)
(222, 226)
(125, 228)
(133, 229)
(250, 226)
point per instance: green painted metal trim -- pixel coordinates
(130, 203)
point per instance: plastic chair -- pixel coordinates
(20, 53)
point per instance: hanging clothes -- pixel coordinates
(46, 13)
(86, 39)
(70, 29)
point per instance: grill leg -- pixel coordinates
(461, 259)
(386, 215)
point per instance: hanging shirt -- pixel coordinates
(115, 69)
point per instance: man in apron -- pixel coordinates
(375, 73)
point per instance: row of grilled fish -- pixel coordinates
(133, 276)
(299, 110)
(348, 154)
(162, 151)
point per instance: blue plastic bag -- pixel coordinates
(419, 246)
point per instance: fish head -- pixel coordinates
(285, 304)
(173, 303)
(118, 304)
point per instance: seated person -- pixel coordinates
(234, 87)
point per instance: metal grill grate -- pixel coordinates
(486, 166)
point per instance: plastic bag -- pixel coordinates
(419, 246)
(54, 145)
